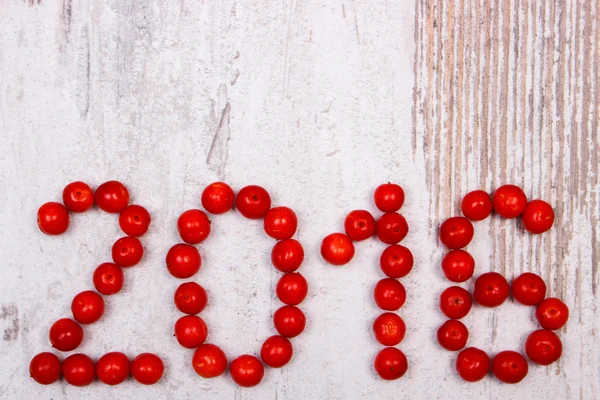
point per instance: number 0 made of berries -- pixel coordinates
(183, 260)
(87, 307)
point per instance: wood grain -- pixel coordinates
(507, 92)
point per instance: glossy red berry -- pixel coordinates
(191, 331)
(455, 302)
(453, 335)
(389, 329)
(78, 370)
(280, 223)
(127, 251)
(458, 265)
(53, 218)
(543, 347)
(359, 225)
(292, 289)
(390, 363)
(209, 361)
(476, 205)
(66, 334)
(472, 364)
(337, 249)
(529, 289)
(134, 220)
(193, 226)
(44, 368)
(217, 198)
(456, 232)
(552, 313)
(276, 351)
(289, 321)
(183, 260)
(287, 255)
(147, 368)
(78, 196)
(112, 197)
(190, 298)
(509, 367)
(391, 228)
(491, 289)
(113, 368)
(538, 216)
(246, 370)
(87, 307)
(389, 197)
(108, 278)
(396, 261)
(509, 201)
(389, 294)
(253, 202)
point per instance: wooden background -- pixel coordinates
(319, 101)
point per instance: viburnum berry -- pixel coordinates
(529, 289)
(253, 201)
(552, 313)
(456, 232)
(389, 197)
(66, 334)
(359, 225)
(391, 228)
(455, 302)
(112, 197)
(543, 347)
(389, 329)
(108, 278)
(280, 223)
(44, 368)
(190, 298)
(390, 363)
(147, 368)
(458, 265)
(87, 307)
(113, 368)
(538, 216)
(246, 370)
(289, 321)
(287, 255)
(78, 370)
(217, 198)
(337, 249)
(193, 226)
(509, 367)
(476, 205)
(509, 201)
(491, 289)
(472, 364)
(134, 220)
(389, 294)
(191, 331)
(183, 260)
(453, 335)
(276, 351)
(209, 361)
(53, 218)
(292, 289)
(127, 251)
(78, 196)
(396, 261)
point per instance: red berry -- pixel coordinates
(253, 201)
(193, 226)
(287, 255)
(147, 368)
(359, 225)
(127, 251)
(66, 334)
(491, 289)
(87, 307)
(543, 347)
(391, 228)
(78, 196)
(112, 197)
(292, 289)
(190, 331)
(113, 368)
(183, 260)
(538, 216)
(476, 205)
(276, 351)
(289, 321)
(458, 265)
(509, 201)
(552, 314)
(217, 198)
(108, 278)
(134, 220)
(44, 368)
(396, 261)
(456, 232)
(455, 302)
(389, 197)
(509, 367)
(390, 363)
(78, 370)
(453, 335)
(53, 218)
(389, 294)
(389, 329)
(280, 223)
(190, 298)
(246, 370)
(472, 364)
(337, 249)
(529, 289)
(209, 361)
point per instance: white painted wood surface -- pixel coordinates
(318, 101)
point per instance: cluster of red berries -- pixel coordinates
(491, 289)
(87, 307)
(396, 261)
(183, 261)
